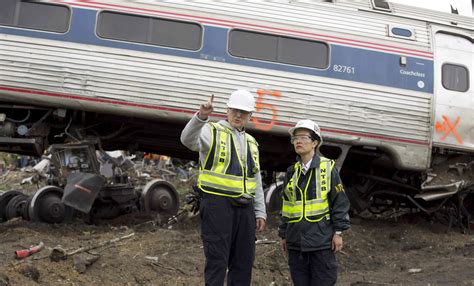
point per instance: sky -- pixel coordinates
(464, 6)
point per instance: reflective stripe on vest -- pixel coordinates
(223, 173)
(312, 206)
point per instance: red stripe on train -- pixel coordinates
(138, 105)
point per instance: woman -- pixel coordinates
(314, 211)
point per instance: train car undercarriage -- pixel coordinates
(444, 192)
(76, 188)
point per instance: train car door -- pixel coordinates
(454, 111)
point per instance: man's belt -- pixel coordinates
(241, 201)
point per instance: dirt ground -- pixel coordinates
(136, 250)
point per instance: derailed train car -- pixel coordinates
(390, 85)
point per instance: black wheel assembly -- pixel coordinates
(16, 207)
(160, 196)
(46, 206)
(5, 198)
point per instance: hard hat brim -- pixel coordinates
(240, 107)
(293, 129)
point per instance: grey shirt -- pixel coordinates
(196, 136)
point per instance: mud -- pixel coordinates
(140, 249)
(375, 253)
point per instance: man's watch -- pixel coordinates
(338, 232)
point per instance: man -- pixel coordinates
(232, 206)
(314, 211)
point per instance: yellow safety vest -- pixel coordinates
(310, 203)
(222, 172)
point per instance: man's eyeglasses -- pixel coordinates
(301, 138)
(236, 111)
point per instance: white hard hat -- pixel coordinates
(241, 99)
(307, 124)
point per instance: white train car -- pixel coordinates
(390, 85)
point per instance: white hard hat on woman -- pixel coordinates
(309, 125)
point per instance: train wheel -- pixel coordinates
(160, 196)
(46, 206)
(24, 209)
(16, 206)
(4, 200)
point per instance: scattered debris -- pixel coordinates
(152, 258)
(58, 253)
(265, 241)
(81, 262)
(20, 254)
(30, 180)
(167, 268)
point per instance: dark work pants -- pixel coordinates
(313, 268)
(228, 234)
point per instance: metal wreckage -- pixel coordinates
(88, 183)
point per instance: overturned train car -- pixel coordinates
(389, 84)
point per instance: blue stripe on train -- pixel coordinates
(346, 63)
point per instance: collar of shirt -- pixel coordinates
(227, 124)
(305, 167)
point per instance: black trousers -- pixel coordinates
(313, 268)
(228, 235)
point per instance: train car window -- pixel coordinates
(303, 53)
(382, 5)
(148, 30)
(253, 45)
(455, 77)
(274, 48)
(401, 32)
(7, 11)
(123, 27)
(35, 15)
(176, 34)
